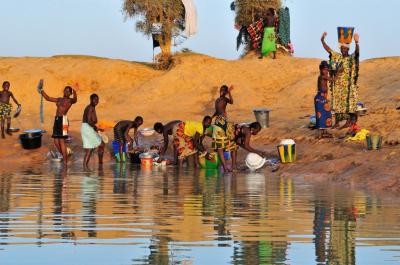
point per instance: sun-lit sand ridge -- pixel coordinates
(287, 86)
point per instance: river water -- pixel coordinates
(122, 215)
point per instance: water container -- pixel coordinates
(287, 151)
(146, 160)
(374, 142)
(262, 116)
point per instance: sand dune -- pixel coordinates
(126, 89)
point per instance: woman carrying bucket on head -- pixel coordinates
(344, 89)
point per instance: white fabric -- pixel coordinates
(254, 161)
(287, 142)
(90, 138)
(190, 18)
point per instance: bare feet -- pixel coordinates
(8, 132)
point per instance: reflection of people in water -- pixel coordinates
(342, 238)
(5, 192)
(119, 171)
(61, 205)
(321, 229)
(89, 188)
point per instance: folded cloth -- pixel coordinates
(360, 136)
(90, 138)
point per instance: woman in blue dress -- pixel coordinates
(323, 112)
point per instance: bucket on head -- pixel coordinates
(345, 34)
(287, 151)
(374, 142)
(262, 117)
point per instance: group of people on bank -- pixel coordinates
(187, 136)
(338, 76)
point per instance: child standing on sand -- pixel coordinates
(6, 107)
(323, 112)
(60, 128)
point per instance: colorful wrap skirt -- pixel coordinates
(5, 110)
(323, 113)
(269, 41)
(183, 143)
(90, 138)
(223, 134)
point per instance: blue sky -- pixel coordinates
(98, 27)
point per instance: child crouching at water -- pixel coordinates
(323, 112)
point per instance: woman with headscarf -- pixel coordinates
(344, 90)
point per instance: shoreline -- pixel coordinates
(318, 161)
(287, 86)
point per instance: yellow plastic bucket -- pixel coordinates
(287, 151)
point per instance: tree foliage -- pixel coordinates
(169, 13)
(248, 11)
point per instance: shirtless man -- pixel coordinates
(60, 128)
(90, 137)
(166, 130)
(5, 107)
(121, 134)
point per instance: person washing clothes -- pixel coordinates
(61, 124)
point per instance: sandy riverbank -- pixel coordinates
(287, 86)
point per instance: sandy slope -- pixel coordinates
(286, 85)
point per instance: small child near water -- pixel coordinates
(6, 107)
(323, 112)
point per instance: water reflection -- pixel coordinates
(183, 217)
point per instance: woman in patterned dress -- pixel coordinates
(345, 89)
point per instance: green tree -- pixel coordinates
(169, 13)
(248, 11)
